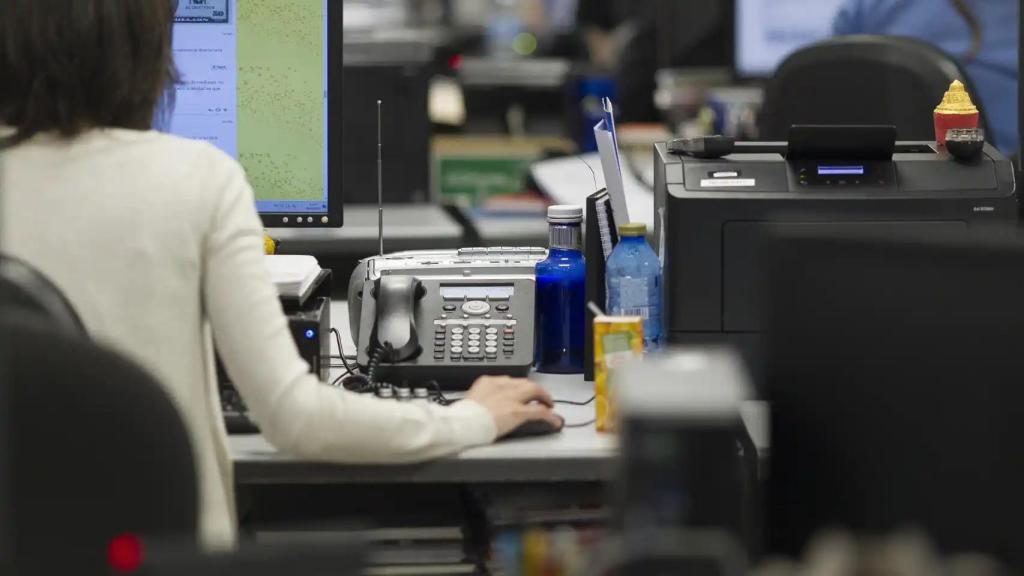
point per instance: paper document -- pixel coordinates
(567, 180)
(611, 164)
(293, 275)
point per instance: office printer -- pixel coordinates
(710, 214)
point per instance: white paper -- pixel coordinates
(612, 173)
(292, 275)
(567, 180)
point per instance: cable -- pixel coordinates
(364, 383)
(574, 403)
(375, 359)
(591, 168)
(439, 397)
(580, 425)
(341, 349)
(340, 379)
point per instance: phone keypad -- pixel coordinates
(474, 341)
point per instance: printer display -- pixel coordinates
(711, 213)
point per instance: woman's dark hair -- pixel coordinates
(973, 24)
(70, 65)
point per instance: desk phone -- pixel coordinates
(447, 316)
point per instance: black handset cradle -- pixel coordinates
(444, 316)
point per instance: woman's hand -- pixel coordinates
(513, 402)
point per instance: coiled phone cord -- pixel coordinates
(375, 359)
(365, 383)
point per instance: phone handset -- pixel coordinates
(394, 334)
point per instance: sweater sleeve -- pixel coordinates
(296, 412)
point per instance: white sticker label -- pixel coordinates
(727, 182)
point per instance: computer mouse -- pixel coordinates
(533, 428)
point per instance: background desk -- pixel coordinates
(575, 455)
(451, 506)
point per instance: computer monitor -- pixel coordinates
(256, 82)
(768, 31)
(893, 372)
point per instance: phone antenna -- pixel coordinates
(380, 180)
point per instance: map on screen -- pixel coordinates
(254, 84)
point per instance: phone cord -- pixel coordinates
(371, 368)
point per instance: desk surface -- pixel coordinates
(575, 455)
(536, 73)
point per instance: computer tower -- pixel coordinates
(311, 329)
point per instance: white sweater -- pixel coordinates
(156, 241)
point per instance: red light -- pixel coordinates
(124, 553)
(455, 61)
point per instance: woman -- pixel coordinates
(981, 34)
(156, 242)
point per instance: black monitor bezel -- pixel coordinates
(335, 215)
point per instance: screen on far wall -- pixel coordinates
(768, 31)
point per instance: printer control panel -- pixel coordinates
(842, 175)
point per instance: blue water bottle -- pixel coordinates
(561, 295)
(633, 282)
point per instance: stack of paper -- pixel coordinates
(293, 275)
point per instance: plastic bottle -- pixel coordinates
(503, 28)
(633, 281)
(561, 295)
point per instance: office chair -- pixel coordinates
(862, 80)
(24, 288)
(98, 451)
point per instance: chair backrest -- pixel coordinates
(27, 290)
(861, 80)
(99, 450)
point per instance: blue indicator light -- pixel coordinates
(310, 334)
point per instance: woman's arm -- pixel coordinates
(296, 412)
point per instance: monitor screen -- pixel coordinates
(768, 31)
(254, 82)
